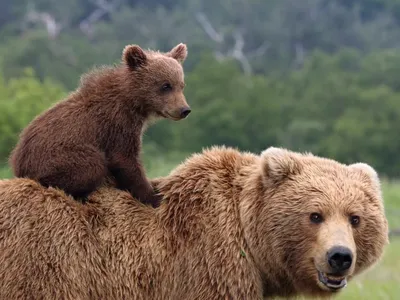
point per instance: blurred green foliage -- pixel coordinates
(336, 106)
(21, 100)
(316, 75)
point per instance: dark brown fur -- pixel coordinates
(97, 130)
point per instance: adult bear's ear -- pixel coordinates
(367, 175)
(279, 164)
(179, 52)
(134, 57)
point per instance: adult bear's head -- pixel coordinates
(313, 223)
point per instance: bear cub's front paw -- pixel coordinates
(154, 200)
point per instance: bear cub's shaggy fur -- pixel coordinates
(97, 130)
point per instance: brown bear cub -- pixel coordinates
(97, 130)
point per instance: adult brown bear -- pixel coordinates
(232, 226)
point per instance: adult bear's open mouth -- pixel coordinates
(333, 283)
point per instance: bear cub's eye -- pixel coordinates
(316, 218)
(166, 87)
(354, 220)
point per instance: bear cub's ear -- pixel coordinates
(278, 164)
(134, 57)
(179, 52)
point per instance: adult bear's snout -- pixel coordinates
(340, 259)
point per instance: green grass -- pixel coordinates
(391, 195)
(5, 172)
(381, 282)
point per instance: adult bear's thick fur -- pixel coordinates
(232, 226)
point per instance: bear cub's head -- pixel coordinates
(158, 80)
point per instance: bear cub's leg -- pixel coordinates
(78, 170)
(129, 175)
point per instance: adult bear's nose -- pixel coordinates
(340, 259)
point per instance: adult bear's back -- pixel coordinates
(46, 236)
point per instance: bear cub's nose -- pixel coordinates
(185, 112)
(340, 258)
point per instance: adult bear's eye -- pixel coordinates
(166, 87)
(354, 220)
(316, 218)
